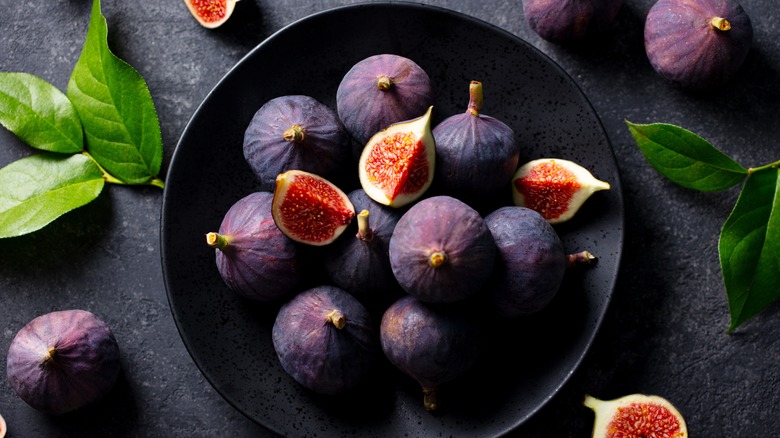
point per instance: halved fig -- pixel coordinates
(211, 13)
(397, 164)
(310, 209)
(636, 415)
(3, 428)
(554, 187)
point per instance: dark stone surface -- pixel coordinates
(665, 331)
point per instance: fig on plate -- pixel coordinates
(254, 258)
(325, 340)
(359, 262)
(441, 250)
(698, 44)
(211, 13)
(530, 261)
(432, 344)
(475, 153)
(397, 164)
(379, 91)
(62, 361)
(562, 21)
(636, 415)
(310, 209)
(554, 187)
(295, 132)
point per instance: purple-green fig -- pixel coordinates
(325, 340)
(441, 250)
(563, 21)
(432, 344)
(475, 154)
(295, 132)
(530, 261)
(254, 258)
(381, 90)
(698, 44)
(359, 262)
(62, 361)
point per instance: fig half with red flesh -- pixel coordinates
(636, 415)
(554, 187)
(211, 13)
(397, 164)
(310, 209)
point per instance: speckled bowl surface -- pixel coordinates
(229, 338)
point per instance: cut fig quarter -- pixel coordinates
(211, 13)
(554, 187)
(636, 415)
(397, 164)
(309, 209)
(3, 428)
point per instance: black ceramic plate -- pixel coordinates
(229, 338)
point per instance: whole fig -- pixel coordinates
(697, 43)
(295, 132)
(325, 340)
(432, 344)
(254, 258)
(62, 361)
(562, 21)
(441, 250)
(475, 153)
(381, 90)
(359, 262)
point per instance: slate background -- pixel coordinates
(664, 333)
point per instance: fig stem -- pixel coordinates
(775, 165)
(475, 97)
(720, 23)
(437, 259)
(430, 401)
(295, 134)
(583, 258)
(384, 83)
(337, 319)
(216, 240)
(364, 230)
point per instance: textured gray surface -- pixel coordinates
(664, 332)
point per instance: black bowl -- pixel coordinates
(229, 338)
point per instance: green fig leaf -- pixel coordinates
(39, 114)
(749, 247)
(38, 189)
(116, 109)
(686, 158)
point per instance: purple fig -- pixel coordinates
(359, 262)
(530, 261)
(254, 258)
(432, 344)
(295, 132)
(475, 154)
(697, 43)
(379, 91)
(441, 250)
(325, 340)
(562, 21)
(62, 361)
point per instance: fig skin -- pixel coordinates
(62, 361)
(530, 261)
(359, 261)
(381, 90)
(254, 258)
(566, 21)
(636, 415)
(686, 46)
(441, 250)
(475, 154)
(325, 340)
(295, 132)
(432, 344)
